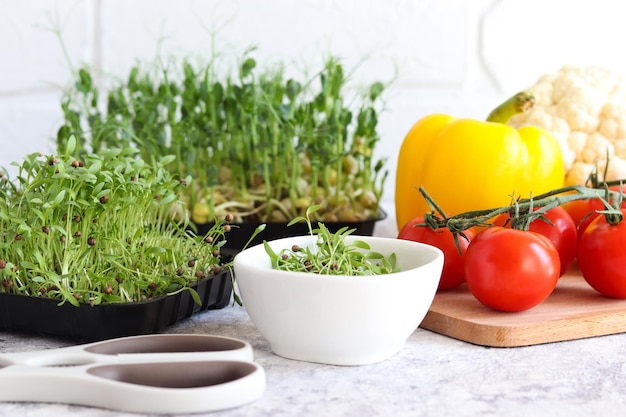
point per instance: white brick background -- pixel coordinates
(456, 56)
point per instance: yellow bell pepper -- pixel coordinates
(466, 164)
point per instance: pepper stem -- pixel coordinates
(519, 103)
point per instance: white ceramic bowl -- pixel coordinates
(340, 320)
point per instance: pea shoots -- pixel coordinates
(259, 145)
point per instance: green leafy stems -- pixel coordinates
(259, 145)
(105, 228)
(331, 255)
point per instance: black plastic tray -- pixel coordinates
(87, 323)
(240, 233)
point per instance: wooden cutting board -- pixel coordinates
(573, 311)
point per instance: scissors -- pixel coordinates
(162, 373)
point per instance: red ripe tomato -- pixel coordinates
(583, 212)
(578, 210)
(453, 273)
(602, 258)
(562, 233)
(511, 270)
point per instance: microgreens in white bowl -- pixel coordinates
(360, 311)
(331, 255)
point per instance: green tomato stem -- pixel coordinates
(524, 211)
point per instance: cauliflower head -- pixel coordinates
(584, 107)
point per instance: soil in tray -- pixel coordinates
(573, 311)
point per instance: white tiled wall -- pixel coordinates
(456, 56)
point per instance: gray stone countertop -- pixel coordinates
(433, 375)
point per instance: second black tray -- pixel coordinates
(240, 233)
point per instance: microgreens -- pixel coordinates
(258, 145)
(100, 229)
(331, 255)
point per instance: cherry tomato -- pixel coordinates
(601, 256)
(583, 212)
(578, 210)
(453, 273)
(511, 270)
(562, 233)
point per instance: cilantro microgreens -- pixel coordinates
(331, 255)
(100, 230)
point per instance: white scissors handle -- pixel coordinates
(145, 374)
(146, 348)
(162, 387)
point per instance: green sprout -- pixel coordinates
(259, 145)
(105, 228)
(331, 255)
